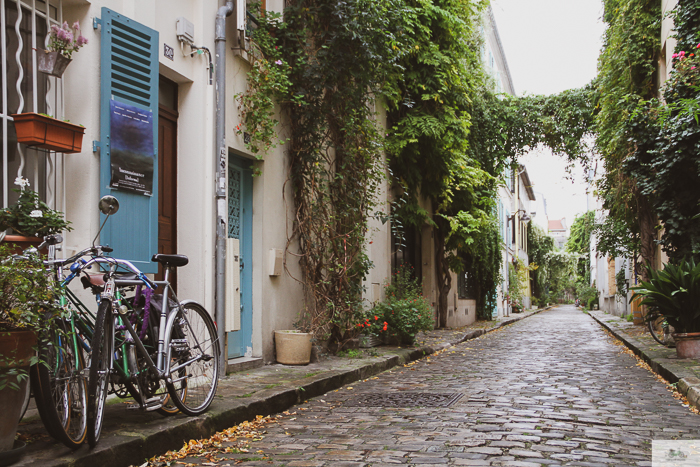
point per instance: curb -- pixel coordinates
(146, 440)
(687, 385)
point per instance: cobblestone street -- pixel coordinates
(549, 390)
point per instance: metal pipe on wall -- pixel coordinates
(221, 156)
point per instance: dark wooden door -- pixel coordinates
(167, 173)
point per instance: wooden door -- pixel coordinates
(167, 173)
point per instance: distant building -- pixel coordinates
(560, 232)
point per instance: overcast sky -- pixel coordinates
(550, 46)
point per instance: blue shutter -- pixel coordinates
(129, 74)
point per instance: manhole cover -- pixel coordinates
(405, 399)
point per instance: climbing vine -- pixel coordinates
(627, 67)
(324, 65)
(579, 243)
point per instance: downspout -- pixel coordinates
(220, 158)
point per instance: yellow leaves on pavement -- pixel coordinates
(237, 438)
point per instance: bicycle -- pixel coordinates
(59, 383)
(660, 330)
(186, 357)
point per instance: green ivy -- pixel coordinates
(579, 243)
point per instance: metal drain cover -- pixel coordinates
(405, 399)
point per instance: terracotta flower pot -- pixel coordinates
(293, 347)
(48, 133)
(16, 350)
(687, 344)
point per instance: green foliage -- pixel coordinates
(673, 293)
(621, 284)
(626, 69)
(579, 242)
(405, 311)
(539, 244)
(32, 217)
(587, 294)
(649, 146)
(27, 303)
(562, 267)
(268, 84)
(324, 65)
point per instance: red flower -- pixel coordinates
(385, 326)
(376, 318)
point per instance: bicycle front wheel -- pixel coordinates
(60, 387)
(193, 347)
(100, 367)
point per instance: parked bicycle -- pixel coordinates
(661, 331)
(181, 352)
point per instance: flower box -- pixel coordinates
(21, 243)
(48, 133)
(367, 342)
(52, 63)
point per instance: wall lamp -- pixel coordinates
(524, 217)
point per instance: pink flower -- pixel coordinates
(81, 41)
(692, 67)
(278, 62)
(76, 26)
(698, 46)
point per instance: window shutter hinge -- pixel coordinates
(96, 22)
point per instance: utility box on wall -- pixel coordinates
(275, 261)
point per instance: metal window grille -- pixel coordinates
(25, 25)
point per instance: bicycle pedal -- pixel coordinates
(150, 405)
(179, 345)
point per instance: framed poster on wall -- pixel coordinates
(132, 157)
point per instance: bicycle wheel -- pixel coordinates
(656, 329)
(193, 346)
(100, 366)
(59, 386)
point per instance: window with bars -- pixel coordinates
(25, 26)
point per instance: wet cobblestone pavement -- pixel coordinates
(549, 390)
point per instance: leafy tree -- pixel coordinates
(539, 245)
(579, 243)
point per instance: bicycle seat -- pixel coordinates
(171, 260)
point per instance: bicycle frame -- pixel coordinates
(160, 369)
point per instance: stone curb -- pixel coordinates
(139, 442)
(688, 385)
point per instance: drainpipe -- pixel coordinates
(221, 156)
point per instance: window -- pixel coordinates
(37, 92)
(465, 290)
(254, 9)
(406, 249)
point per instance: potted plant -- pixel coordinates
(293, 347)
(30, 219)
(674, 294)
(26, 306)
(405, 312)
(44, 131)
(62, 43)
(372, 328)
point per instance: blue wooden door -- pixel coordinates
(240, 234)
(129, 79)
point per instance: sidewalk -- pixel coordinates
(685, 372)
(130, 437)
